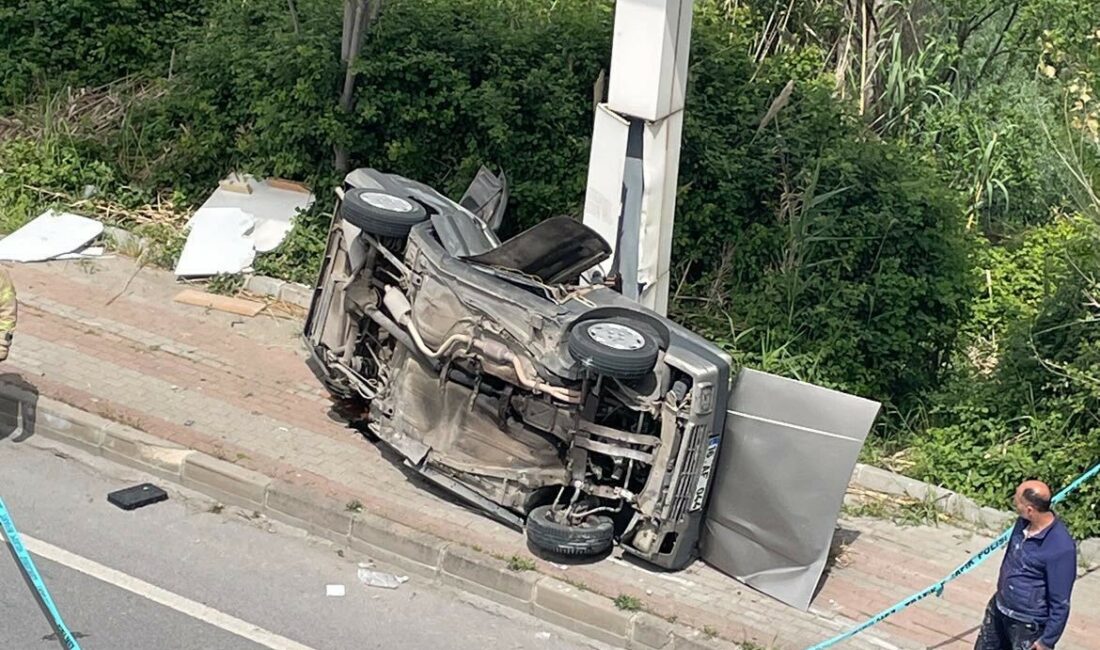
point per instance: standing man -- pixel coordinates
(7, 313)
(1031, 606)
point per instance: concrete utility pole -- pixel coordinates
(632, 175)
(359, 15)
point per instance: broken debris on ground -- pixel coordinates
(52, 235)
(238, 306)
(372, 578)
(243, 216)
(138, 496)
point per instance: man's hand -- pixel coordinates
(1038, 645)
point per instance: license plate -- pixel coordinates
(704, 476)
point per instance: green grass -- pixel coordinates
(628, 603)
(225, 284)
(901, 511)
(517, 563)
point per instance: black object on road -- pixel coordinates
(137, 496)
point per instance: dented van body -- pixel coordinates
(500, 376)
(557, 405)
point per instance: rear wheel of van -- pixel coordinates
(381, 214)
(547, 531)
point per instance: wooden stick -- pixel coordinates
(237, 306)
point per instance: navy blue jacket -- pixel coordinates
(1037, 578)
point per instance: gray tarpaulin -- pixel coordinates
(787, 456)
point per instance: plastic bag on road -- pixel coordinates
(373, 578)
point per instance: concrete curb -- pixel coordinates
(262, 285)
(950, 503)
(424, 555)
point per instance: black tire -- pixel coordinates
(593, 537)
(380, 213)
(617, 347)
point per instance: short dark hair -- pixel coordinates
(1037, 500)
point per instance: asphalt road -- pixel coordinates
(184, 574)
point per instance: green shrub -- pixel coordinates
(810, 248)
(994, 150)
(45, 43)
(1026, 406)
(55, 164)
(249, 93)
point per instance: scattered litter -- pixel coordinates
(137, 496)
(49, 235)
(373, 578)
(221, 303)
(235, 183)
(335, 590)
(545, 636)
(219, 241)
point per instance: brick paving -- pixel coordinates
(238, 388)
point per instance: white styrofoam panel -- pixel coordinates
(603, 196)
(48, 236)
(220, 241)
(649, 57)
(273, 207)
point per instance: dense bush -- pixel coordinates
(27, 166)
(994, 149)
(250, 93)
(822, 252)
(443, 88)
(45, 43)
(1024, 399)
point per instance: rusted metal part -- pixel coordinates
(616, 451)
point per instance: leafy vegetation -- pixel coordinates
(45, 44)
(226, 284)
(518, 564)
(900, 203)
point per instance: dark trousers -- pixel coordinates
(1000, 632)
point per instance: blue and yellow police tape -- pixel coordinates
(962, 569)
(30, 572)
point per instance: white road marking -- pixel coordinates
(154, 593)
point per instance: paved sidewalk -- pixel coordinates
(238, 389)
